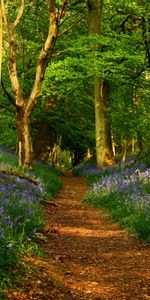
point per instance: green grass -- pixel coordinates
(128, 205)
(121, 211)
(26, 217)
(49, 177)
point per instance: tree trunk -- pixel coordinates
(25, 108)
(133, 145)
(76, 157)
(25, 148)
(104, 153)
(28, 159)
(88, 154)
(123, 150)
(1, 38)
(44, 141)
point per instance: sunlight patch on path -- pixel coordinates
(81, 231)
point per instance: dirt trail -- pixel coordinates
(87, 256)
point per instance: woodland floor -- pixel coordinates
(87, 256)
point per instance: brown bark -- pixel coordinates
(20, 137)
(24, 107)
(104, 153)
(44, 141)
(95, 16)
(25, 149)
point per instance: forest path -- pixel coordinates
(87, 256)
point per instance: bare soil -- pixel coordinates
(87, 255)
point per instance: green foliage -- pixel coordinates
(42, 172)
(65, 160)
(49, 177)
(133, 221)
(119, 56)
(125, 195)
(144, 156)
(21, 213)
(73, 113)
(7, 130)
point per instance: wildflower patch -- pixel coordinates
(127, 195)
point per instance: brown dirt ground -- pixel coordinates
(87, 256)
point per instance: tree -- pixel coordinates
(69, 107)
(1, 34)
(118, 48)
(104, 153)
(24, 108)
(128, 23)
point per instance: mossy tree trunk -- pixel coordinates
(104, 153)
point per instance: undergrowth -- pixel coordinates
(21, 212)
(125, 193)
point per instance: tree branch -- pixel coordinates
(20, 13)
(77, 2)
(134, 19)
(12, 53)
(62, 11)
(81, 10)
(7, 108)
(59, 53)
(122, 25)
(44, 57)
(5, 17)
(71, 26)
(9, 97)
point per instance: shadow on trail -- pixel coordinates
(87, 256)
(96, 259)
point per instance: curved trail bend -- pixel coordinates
(88, 256)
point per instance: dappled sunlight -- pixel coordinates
(88, 257)
(89, 213)
(144, 274)
(96, 276)
(76, 280)
(92, 289)
(83, 232)
(97, 259)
